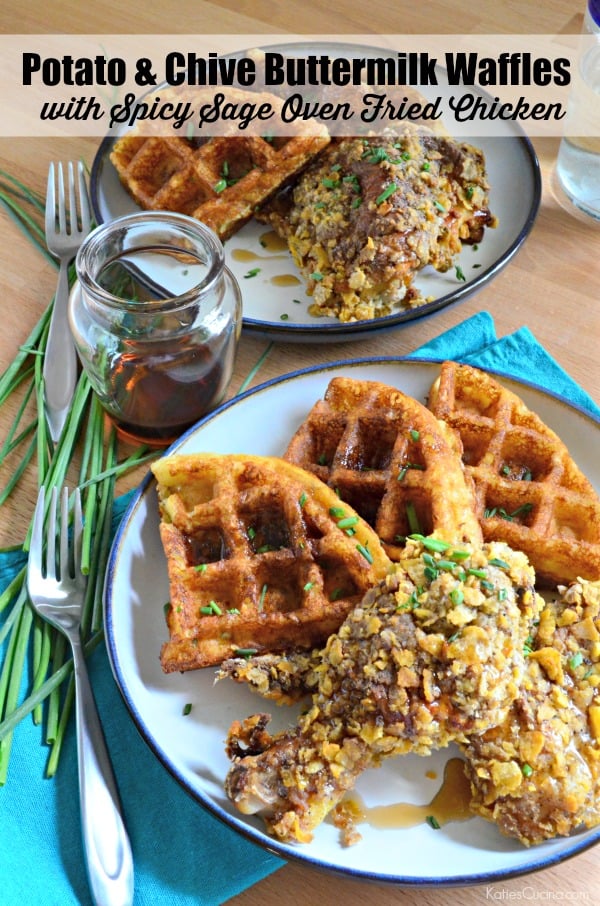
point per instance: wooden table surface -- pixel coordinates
(552, 286)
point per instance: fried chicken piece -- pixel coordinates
(537, 775)
(370, 212)
(433, 654)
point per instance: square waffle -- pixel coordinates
(261, 557)
(390, 459)
(529, 492)
(219, 180)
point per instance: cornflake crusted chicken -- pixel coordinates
(433, 654)
(369, 213)
(537, 775)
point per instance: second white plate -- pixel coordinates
(191, 746)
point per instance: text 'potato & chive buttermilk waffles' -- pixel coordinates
(439, 635)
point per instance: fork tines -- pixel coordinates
(68, 555)
(78, 219)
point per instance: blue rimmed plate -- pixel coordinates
(191, 747)
(275, 301)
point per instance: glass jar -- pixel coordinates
(156, 317)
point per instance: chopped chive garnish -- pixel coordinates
(337, 512)
(316, 276)
(212, 608)
(527, 770)
(496, 561)
(187, 708)
(308, 586)
(336, 594)
(478, 573)
(261, 600)
(303, 499)
(457, 596)
(251, 533)
(166, 607)
(365, 552)
(220, 186)
(460, 274)
(433, 822)
(576, 660)
(245, 652)
(432, 544)
(413, 519)
(502, 592)
(389, 190)
(201, 568)
(252, 273)
(347, 522)
(414, 434)
(460, 555)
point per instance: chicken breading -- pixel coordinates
(537, 774)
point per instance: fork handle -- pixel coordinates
(60, 360)
(107, 849)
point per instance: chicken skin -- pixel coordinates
(432, 655)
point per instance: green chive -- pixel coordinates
(413, 519)
(186, 709)
(365, 552)
(575, 661)
(389, 190)
(432, 544)
(347, 522)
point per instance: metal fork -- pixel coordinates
(57, 591)
(66, 228)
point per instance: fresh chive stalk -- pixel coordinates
(35, 656)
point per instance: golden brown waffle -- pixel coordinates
(219, 180)
(390, 459)
(261, 557)
(529, 492)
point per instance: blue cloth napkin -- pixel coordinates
(183, 855)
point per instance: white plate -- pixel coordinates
(191, 746)
(281, 312)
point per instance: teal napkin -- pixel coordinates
(183, 855)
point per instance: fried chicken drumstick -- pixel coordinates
(432, 655)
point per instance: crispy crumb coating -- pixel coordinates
(433, 654)
(537, 774)
(369, 213)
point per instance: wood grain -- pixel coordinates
(552, 286)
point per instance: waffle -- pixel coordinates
(390, 459)
(219, 180)
(529, 492)
(261, 557)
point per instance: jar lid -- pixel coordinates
(594, 11)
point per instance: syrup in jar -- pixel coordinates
(156, 317)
